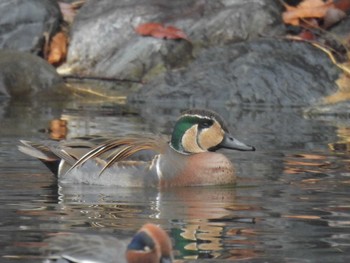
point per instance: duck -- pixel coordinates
(150, 244)
(188, 157)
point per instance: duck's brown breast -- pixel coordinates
(207, 168)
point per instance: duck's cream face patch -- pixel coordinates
(196, 141)
(211, 137)
(189, 140)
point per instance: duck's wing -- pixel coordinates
(104, 149)
(79, 248)
(130, 148)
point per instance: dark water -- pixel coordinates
(291, 204)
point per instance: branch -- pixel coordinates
(100, 78)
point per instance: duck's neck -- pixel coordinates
(176, 143)
(176, 137)
(180, 129)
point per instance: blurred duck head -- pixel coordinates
(151, 244)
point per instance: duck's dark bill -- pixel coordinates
(231, 143)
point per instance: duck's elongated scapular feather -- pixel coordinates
(188, 157)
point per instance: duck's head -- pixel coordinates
(150, 245)
(200, 130)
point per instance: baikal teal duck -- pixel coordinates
(187, 158)
(151, 244)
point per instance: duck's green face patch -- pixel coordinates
(181, 126)
(196, 133)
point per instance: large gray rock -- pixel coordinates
(104, 42)
(263, 72)
(25, 75)
(23, 23)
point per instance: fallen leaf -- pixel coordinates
(175, 33)
(314, 3)
(158, 30)
(58, 49)
(146, 29)
(306, 9)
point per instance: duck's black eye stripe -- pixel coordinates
(206, 123)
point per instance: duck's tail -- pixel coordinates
(48, 155)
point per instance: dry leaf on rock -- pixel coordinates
(158, 30)
(306, 9)
(58, 49)
(146, 29)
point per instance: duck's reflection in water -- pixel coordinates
(203, 221)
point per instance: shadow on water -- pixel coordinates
(290, 204)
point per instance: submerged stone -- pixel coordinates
(24, 75)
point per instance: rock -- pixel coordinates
(335, 107)
(341, 29)
(104, 42)
(24, 75)
(23, 23)
(262, 72)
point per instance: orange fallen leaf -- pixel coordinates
(306, 9)
(169, 32)
(146, 29)
(314, 3)
(58, 49)
(158, 30)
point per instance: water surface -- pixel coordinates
(291, 203)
